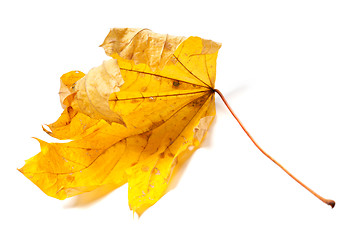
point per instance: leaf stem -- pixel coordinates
(327, 201)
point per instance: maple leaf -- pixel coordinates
(133, 119)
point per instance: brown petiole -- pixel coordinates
(327, 201)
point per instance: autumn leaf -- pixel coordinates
(132, 119)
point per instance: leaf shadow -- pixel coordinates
(89, 198)
(232, 94)
(236, 91)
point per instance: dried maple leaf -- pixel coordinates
(134, 119)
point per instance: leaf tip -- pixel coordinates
(44, 128)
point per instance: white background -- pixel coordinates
(290, 70)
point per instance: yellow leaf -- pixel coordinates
(134, 119)
(71, 124)
(67, 82)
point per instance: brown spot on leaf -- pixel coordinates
(176, 83)
(135, 100)
(156, 171)
(145, 168)
(70, 178)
